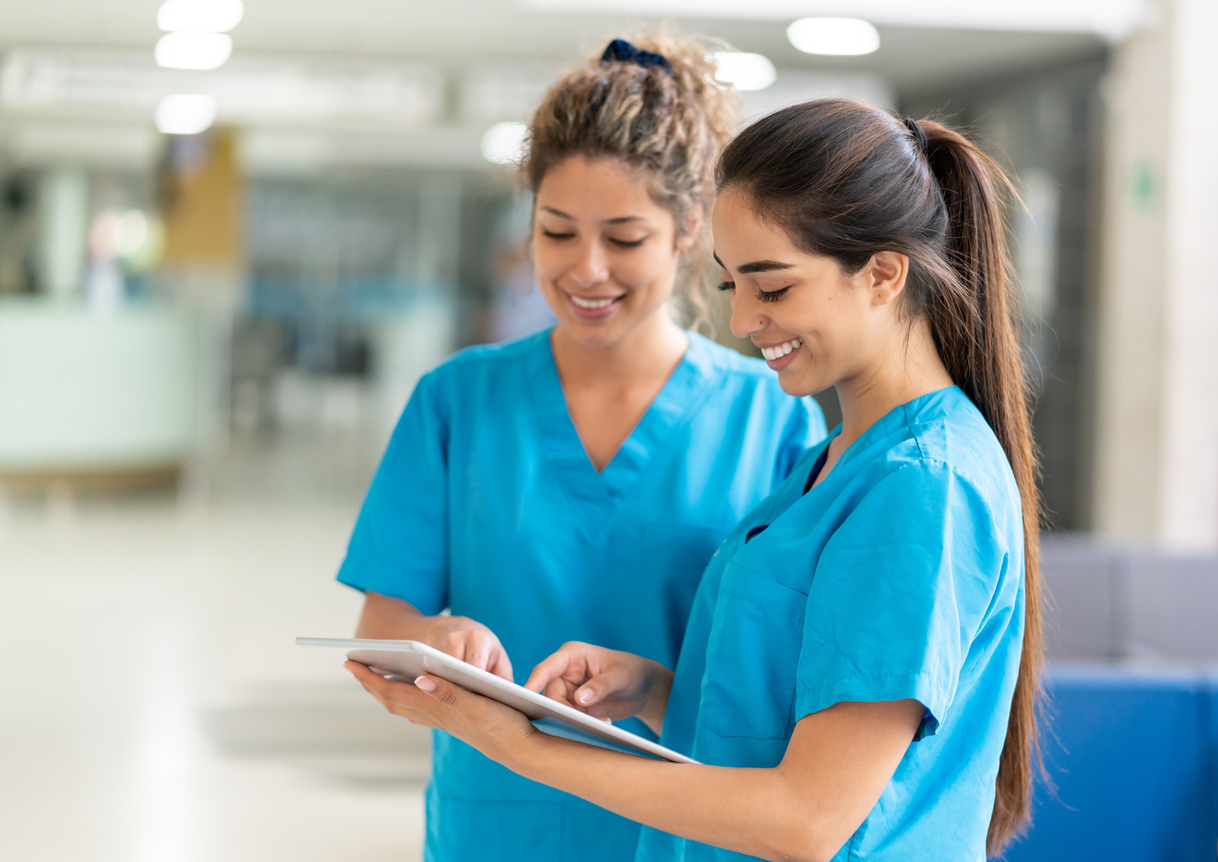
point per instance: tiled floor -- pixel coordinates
(153, 707)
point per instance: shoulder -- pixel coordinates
(952, 434)
(946, 470)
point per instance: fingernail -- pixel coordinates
(583, 696)
(425, 684)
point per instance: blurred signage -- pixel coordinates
(246, 90)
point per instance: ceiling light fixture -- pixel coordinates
(193, 50)
(200, 16)
(834, 36)
(744, 71)
(185, 114)
(503, 143)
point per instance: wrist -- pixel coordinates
(658, 688)
(522, 752)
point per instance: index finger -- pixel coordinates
(547, 670)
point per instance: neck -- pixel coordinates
(651, 349)
(909, 368)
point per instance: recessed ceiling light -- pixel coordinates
(185, 114)
(836, 36)
(200, 16)
(503, 143)
(193, 50)
(744, 71)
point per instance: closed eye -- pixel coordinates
(552, 235)
(727, 285)
(628, 243)
(772, 295)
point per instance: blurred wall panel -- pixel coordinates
(1157, 428)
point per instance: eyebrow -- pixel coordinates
(757, 265)
(618, 220)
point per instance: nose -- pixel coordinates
(592, 266)
(747, 314)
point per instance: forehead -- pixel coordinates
(598, 188)
(742, 235)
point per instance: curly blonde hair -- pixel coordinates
(670, 124)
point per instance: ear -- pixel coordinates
(689, 230)
(885, 274)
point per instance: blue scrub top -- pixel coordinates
(899, 576)
(486, 503)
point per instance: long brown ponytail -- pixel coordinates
(847, 181)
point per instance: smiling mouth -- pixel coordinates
(594, 303)
(780, 350)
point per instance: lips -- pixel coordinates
(780, 350)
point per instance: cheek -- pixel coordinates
(653, 271)
(547, 262)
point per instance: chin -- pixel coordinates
(801, 386)
(592, 336)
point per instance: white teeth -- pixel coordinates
(591, 304)
(781, 349)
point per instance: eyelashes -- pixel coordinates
(620, 243)
(772, 295)
(762, 295)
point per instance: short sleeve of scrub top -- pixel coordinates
(918, 556)
(400, 545)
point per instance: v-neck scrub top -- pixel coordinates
(486, 503)
(899, 576)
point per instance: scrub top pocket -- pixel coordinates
(755, 618)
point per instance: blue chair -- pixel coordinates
(1134, 756)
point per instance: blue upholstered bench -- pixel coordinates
(1134, 756)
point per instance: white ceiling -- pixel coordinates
(458, 32)
(464, 41)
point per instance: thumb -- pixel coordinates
(612, 680)
(440, 689)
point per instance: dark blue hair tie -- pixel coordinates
(919, 136)
(621, 51)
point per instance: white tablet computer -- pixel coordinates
(409, 659)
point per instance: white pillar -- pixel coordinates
(63, 209)
(1157, 399)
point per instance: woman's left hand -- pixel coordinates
(494, 729)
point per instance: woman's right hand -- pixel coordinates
(605, 683)
(385, 617)
(470, 641)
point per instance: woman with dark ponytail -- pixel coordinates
(861, 668)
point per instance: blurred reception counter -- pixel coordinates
(96, 397)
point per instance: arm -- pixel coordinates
(387, 618)
(835, 768)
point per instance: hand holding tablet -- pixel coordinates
(407, 660)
